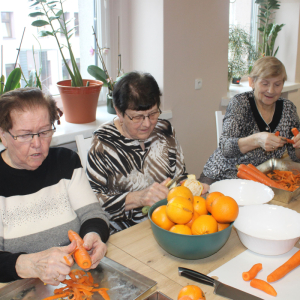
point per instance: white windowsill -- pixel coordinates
(66, 132)
(244, 87)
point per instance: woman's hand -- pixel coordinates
(95, 247)
(205, 188)
(149, 196)
(49, 265)
(267, 141)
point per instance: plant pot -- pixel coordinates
(236, 80)
(110, 104)
(80, 103)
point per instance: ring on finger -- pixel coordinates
(273, 147)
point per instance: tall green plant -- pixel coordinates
(12, 82)
(268, 29)
(48, 10)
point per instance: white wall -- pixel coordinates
(178, 41)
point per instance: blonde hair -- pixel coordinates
(268, 67)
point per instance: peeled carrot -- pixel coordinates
(243, 175)
(57, 296)
(284, 269)
(277, 133)
(295, 131)
(81, 256)
(261, 177)
(252, 272)
(263, 286)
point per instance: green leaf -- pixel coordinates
(59, 13)
(98, 74)
(53, 18)
(52, 2)
(13, 80)
(36, 3)
(32, 75)
(39, 23)
(35, 14)
(44, 33)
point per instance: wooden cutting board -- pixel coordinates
(231, 274)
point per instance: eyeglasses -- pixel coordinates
(140, 118)
(28, 137)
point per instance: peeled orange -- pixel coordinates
(204, 224)
(181, 191)
(160, 218)
(194, 185)
(179, 210)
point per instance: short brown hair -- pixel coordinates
(268, 67)
(23, 99)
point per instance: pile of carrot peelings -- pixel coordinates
(289, 179)
(80, 286)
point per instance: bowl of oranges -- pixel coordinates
(191, 227)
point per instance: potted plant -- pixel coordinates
(241, 54)
(102, 75)
(268, 29)
(79, 96)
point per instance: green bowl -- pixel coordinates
(188, 246)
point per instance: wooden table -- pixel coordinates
(137, 249)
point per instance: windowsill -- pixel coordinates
(66, 132)
(244, 87)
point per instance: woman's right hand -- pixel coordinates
(147, 197)
(49, 265)
(265, 140)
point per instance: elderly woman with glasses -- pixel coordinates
(132, 157)
(44, 193)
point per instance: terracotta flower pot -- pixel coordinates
(80, 103)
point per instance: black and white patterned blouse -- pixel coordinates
(242, 119)
(118, 165)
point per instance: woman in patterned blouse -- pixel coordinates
(133, 156)
(250, 123)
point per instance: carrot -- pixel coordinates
(290, 180)
(263, 286)
(261, 177)
(295, 131)
(252, 272)
(79, 287)
(81, 256)
(277, 133)
(244, 175)
(284, 269)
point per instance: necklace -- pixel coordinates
(268, 128)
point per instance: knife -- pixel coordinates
(221, 289)
(174, 180)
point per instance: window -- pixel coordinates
(6, 20)
(46, 52)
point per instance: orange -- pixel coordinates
(210, 198)
(181, 191)
(182, 229)
(200, 205)
(225, 209)
(180, 210)
(194, 185)
(204, 224)
(222, 226)
(192, 291)
(194, 217)
(185, 298)
(159, 217)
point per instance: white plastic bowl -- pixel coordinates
(268, 229)
(244, 192)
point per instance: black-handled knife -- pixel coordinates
(220, 288)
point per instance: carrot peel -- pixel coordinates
(251, 274)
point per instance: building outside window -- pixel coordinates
(6, 23)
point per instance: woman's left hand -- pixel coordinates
(95, 247)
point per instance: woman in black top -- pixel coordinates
(250, 123)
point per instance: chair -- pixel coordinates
(219, 124)
(83, 146)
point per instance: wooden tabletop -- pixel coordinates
(137, 249)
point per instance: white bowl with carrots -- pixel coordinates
(243, 191)
(268, 229)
